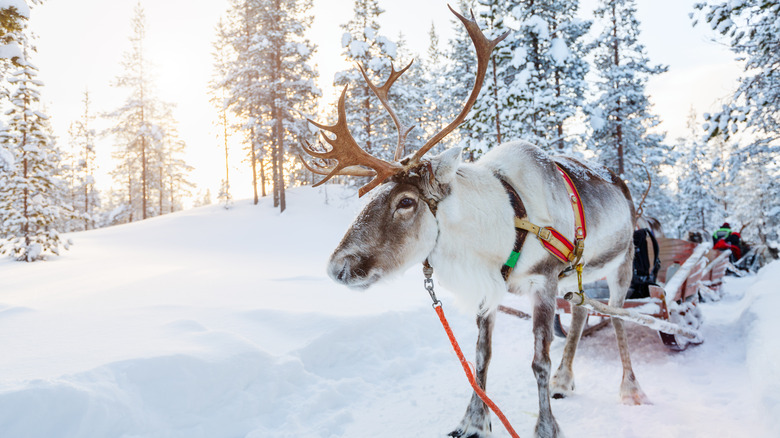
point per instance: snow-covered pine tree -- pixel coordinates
(140, 130)
(620, 116)
(240, 79)
(222, 56)
(438, 106)
(13, 22)
(699, 209)
(170, 171)
(485, 127)
(753, 31)
(724, 172)
(544, 73)
(31, 195)
(287, 81)
(458, 82)
(411, 97)
(133, 122)
(364, 45)
(175, 185)
(85, 198)
(271, 82)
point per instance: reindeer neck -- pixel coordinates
(476, 218)
(475, 237)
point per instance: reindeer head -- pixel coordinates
(398, 226)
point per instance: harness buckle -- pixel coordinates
(544, 234)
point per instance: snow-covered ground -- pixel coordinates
(214, 323)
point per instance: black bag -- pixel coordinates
(646, 263)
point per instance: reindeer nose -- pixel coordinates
(342, 275)
(339, 269)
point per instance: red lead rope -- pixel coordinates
(470, 374)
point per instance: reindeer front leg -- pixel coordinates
(476, 421)
(544, 311)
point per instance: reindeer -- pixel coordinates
(460, 218)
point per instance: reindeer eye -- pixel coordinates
(406, 203)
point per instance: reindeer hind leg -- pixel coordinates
(630, 391)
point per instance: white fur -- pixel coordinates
(476, 228)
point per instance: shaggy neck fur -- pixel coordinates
(476, 235)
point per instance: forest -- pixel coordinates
(570, 85)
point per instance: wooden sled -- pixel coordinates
(689, 272)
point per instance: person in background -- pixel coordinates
(724, 239)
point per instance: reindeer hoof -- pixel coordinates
(472, 431)
(549, 429)
(562, 385)
(460, 434)
(635, 399)
(631, 393)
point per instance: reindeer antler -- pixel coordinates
(347, 153)
(352, 160)
(484, 48)
(381, 93)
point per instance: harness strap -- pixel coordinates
(551, 239)
(554, 242)
(520, 234)
(580, 232)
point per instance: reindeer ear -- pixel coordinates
(446, 164)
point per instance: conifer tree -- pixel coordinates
(620, 116)
(240, 79)
(140, 130)
(287, 81)
(271, 82)
(459, 80)
(13, 24)
(699, 209)
(486, 126)
(365, 46)
(544, 70)
(31, 194)
(84, 196)
(753, 33)
(222, 55)
(437, 107)
(411, 96)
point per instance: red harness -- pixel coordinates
(552, 240)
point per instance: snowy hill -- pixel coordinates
(222, 323)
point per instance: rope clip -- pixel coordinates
(428, 282)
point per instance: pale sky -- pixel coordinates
(81, 43)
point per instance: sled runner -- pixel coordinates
(689, 273)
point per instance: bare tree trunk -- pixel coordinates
(143, 125)
(225, 136)
(143, 177)
(262, 177)
(253, 160)
(26, 226)
(367, 107)
(162, 194)
(618, 119)
(130, 193)
(275, 170)
(280, 159)
(277, 112)
(495, 96)
(170, 195)
(559, 141)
